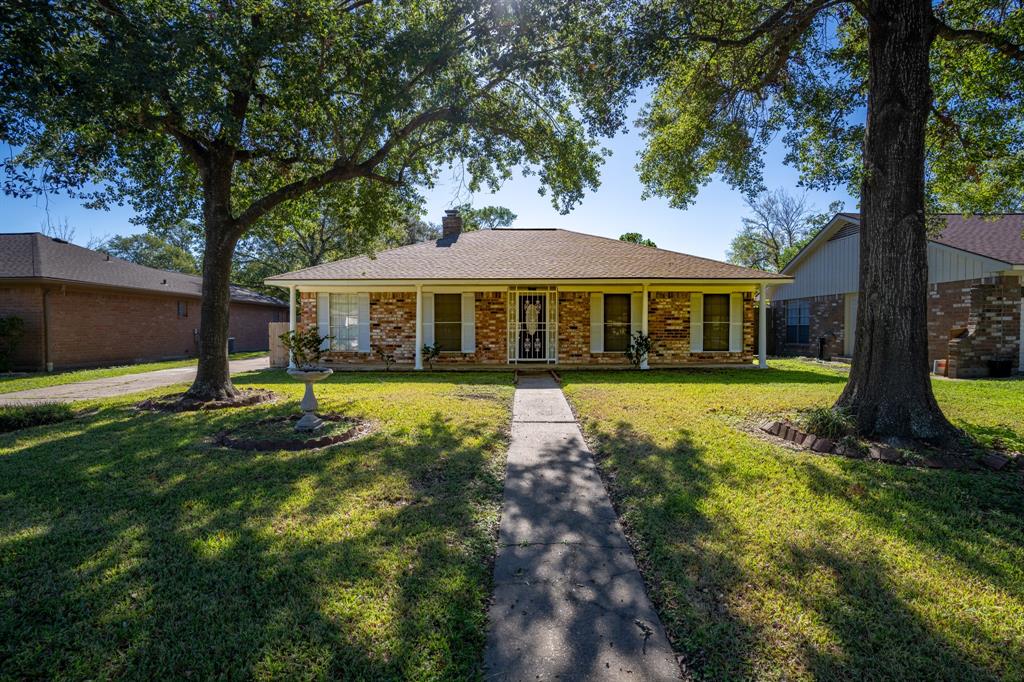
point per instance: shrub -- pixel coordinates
(640, 346)
(12, 329)
(431, 353)
(14, 417)
(834, 424)
(386, 356)
(305, 347)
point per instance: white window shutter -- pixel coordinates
(596, 323)
(696, 323)
(364, 323)
(468, 322)
(736, 323)
(428, 319)
(636, 314)
(323, 318)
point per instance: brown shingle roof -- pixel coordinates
(31, 255)
(513, 253)
(1000, 237)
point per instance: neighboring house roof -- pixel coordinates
(524, 254)
(32, 255)
(999, 237)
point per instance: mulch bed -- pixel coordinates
(236, 438)
(176, 402)
(919, 455)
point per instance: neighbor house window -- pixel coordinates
(716, 321)
(798, 322)
(344, 329)
(448, 321)
(616, 323)
(182, 308)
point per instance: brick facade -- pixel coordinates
(969, 323)
(826, 320)
(393, 326)
(89, 327)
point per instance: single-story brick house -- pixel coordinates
(975, 279)
(84, 308)
(518, 297)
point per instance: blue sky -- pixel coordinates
(704, 229)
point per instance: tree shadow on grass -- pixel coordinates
(126, 549)
(740, 605)
(737, 376)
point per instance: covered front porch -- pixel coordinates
(523, 323)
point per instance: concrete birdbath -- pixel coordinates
(309, 420)
(306, 348)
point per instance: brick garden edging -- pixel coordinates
(878, 452)
(358, 429)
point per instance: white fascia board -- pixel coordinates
(501, 285)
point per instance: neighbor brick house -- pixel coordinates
(529, 296)
(83, 308)
(975, 279)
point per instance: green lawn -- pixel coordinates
(131, 547)
(23, 382)
(772, 564)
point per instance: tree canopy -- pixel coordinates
(636, 238)
(223, 113)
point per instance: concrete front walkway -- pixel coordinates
(115, 386)
(569, 602)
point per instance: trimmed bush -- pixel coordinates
(15, 417)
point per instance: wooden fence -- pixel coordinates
(278, 354)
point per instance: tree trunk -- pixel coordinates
(889, 390)
(213, 378)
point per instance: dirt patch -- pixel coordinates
(278, 433)
(177, 402)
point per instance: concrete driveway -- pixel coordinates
(115, 386)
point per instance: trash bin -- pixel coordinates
(231, 344)
(1000, 368)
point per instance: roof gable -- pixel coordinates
(517, 253)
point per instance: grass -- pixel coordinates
(772, 564)
(23, 382)
(131, 547)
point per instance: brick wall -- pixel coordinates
(393, 325)
(96, 327)
(827, 319)
(26, 302)
(974, 321)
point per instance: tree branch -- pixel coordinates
(1002, 45)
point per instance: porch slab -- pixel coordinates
(569, 602)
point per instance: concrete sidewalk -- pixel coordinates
(115, 386)
(569, 602)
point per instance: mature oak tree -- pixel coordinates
(941, 84)
(224, 112)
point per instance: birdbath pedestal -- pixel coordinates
(309, 420)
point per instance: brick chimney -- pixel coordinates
(451, 224)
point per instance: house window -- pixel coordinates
(798, 322)
(344, 325)
(616, 323)
(716, 322)
(448, 321)
(182, 308)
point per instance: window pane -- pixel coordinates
(344, 323)
(616, 322)
(716, 321)
(448, 321)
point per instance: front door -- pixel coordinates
(533, 315)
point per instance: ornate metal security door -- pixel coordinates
(533, 327)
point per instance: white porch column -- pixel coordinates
(643, 323)
(762, 329)
(419, 326)
(291, 320)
